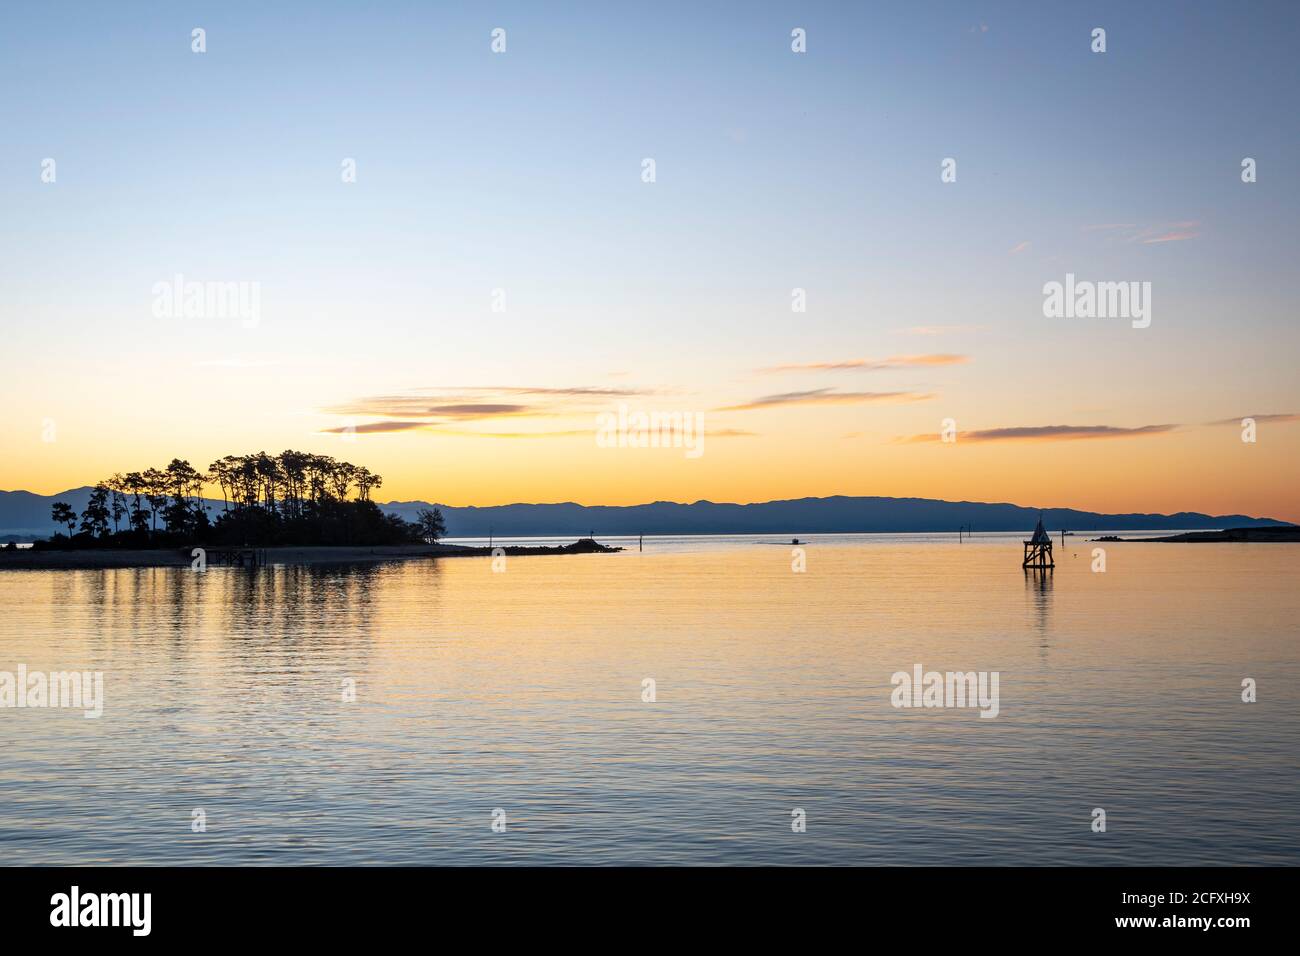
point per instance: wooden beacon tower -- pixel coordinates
(1038, 550)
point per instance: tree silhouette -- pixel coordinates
(432, 525)
(118, 486)
(61, 512)
(291, 498)
(133, 482)
(155, 492)
(94, 520)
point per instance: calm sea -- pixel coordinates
(522, 690)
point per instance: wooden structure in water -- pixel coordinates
(1038, 550)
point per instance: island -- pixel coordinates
(291, 508)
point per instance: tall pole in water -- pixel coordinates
(640, 543)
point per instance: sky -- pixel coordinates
(500, 273)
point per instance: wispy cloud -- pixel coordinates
(871, 365)
(1271, 417)
(458, 412)
(566, 433)
(376, 428)
(665, 433)
(1041, 433)
(580, 391)
(406, 406)
(479, 402)
(368, 428)
(1149, 233)
(1019, 247)
(826, 396)
(1174, 232)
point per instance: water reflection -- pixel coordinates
(1039, 583)
(523, 690)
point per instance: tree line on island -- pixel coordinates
(294, 498)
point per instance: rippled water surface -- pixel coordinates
(522, 691)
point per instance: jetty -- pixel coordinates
(1038, 550)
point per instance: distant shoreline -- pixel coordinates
(1262, 534)
(108, 558)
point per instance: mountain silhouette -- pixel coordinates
(24, 514)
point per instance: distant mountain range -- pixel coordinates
(24, 515)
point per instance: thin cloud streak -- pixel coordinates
(568, 433)
(1273, 417)
(473, 402)
(871, 365)
(1178, 235)
(1044, 433)
(377, 428)
(1146, 235)
(578, 391)
(826, 396)
(435, 428)
(401, 406)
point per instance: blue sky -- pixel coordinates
(774, 170)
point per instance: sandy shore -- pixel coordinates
(28, 559)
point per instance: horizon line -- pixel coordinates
(743, 504)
